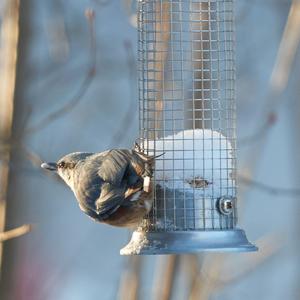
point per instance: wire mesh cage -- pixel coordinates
(187, 113)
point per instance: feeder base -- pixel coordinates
(176, 242)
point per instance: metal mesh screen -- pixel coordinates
(187, 110)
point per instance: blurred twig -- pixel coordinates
(90, 15)
(218, 270)
(244, 11)
(119, 136)
(162, 38)
(57, 37)
(203, 285)
(191, 264)
(36, 161)
(164, 277)
(261, 132)
(14, 233)
(267, 188)
(287, 49)
(8, 60)
(34, 158)
(280, 74)
(268, 247)
(278, 82)
(130, 279)
(131, 12)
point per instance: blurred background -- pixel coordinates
(68, 83)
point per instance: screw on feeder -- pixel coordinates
(187, 111)
(225, 205)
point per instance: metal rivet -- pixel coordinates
(225, 205)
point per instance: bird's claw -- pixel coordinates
(137, 147)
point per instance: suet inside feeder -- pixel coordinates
(187, 112)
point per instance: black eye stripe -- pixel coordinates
(64, 165)
(61, 164)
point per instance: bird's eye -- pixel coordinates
(62, 164)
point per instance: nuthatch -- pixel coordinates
(111, 187)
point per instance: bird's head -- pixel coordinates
(66, 166)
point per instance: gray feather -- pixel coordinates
(102, 181)
(114, 167)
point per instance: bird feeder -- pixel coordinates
(186, 59)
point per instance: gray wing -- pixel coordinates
(114, 166)
(117, 175)
(104, 181)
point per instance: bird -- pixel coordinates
(111, 187)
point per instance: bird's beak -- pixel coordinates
(49, 166)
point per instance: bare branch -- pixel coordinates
(34, 158)
(119, 136)
(261, 132)
(167, 267)
(205, 281)
(268, 247)
(130, 280)
(284, 61)
(269, 189)
(211, 276)
(9, 38)
(163, 35)
(14, 233)
(280, 74)
(287, 49)
(36, 161)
